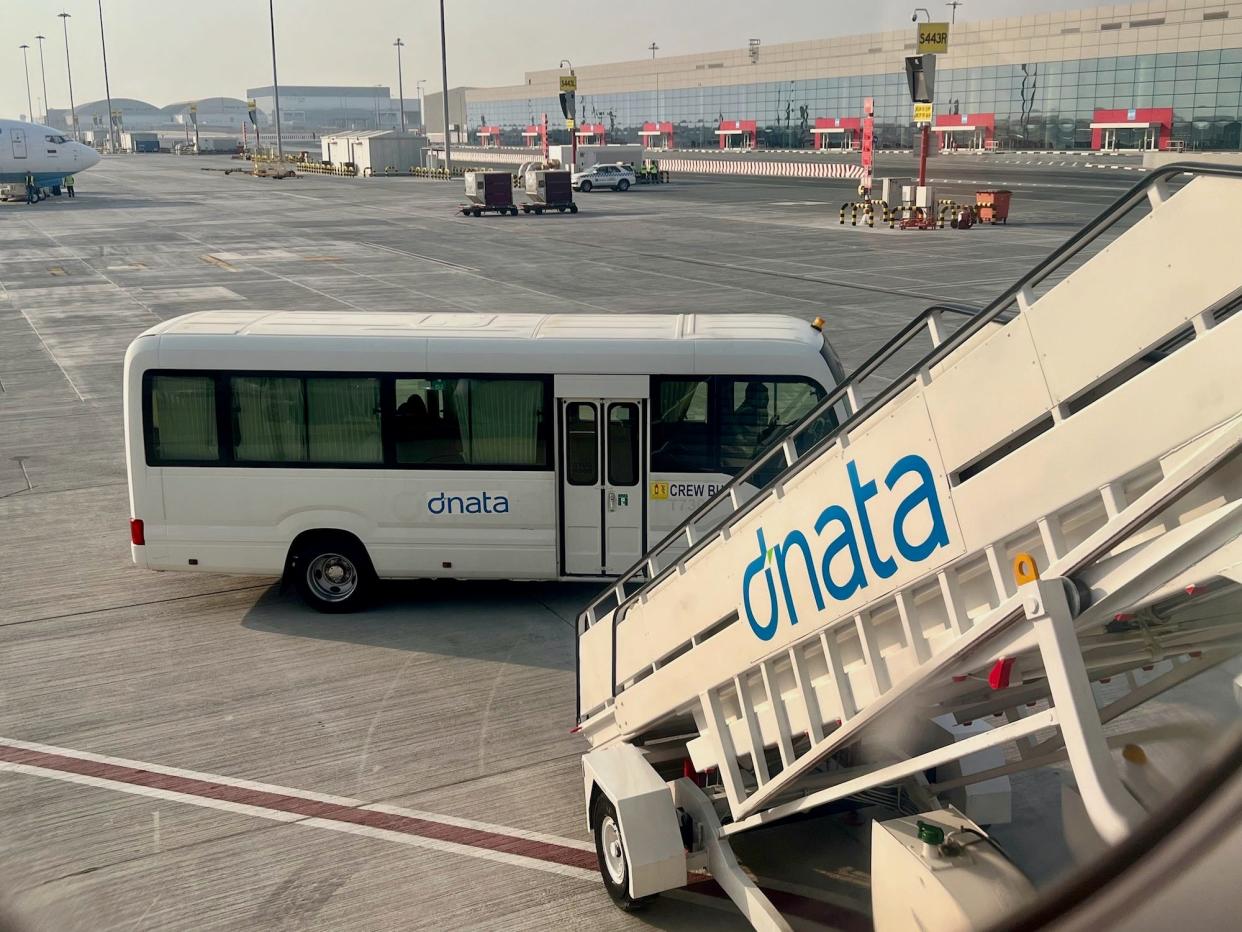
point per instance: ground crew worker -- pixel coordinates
(69, 185)
(31, 190)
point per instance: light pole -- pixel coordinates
(29, 104)
(73, 113)
(573, 131)
(418, 91)
(43, 72)
(954, 4)
(925, 134)
(444, 82)
(280, 146)
(400, 83)
(113, 142)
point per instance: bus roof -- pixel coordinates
(465, 342)
(516, 327)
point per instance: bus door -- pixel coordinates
(602, 468)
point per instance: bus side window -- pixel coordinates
(472, 421)
(424, 433)
(182, 420)
(269, 419)
(681, 431)
(755, 413)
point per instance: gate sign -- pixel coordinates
(569, 83)
(933, 37)
(923, 113)
(1131, 114)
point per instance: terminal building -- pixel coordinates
(1160, 74)
(304, 107)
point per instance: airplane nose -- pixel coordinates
(86, 157)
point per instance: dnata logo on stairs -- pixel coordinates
(468, 503)
(918, 529)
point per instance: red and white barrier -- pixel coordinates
(763, 168)
(750, 167)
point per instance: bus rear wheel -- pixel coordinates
(334, 574)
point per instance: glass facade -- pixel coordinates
(1045, 105)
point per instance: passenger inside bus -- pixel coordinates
(747, 427)
(497, 421)
(423, 434)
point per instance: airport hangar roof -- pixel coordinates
(311, 90)
(205, 105)
(126, 104)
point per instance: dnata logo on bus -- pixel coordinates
(468, 503)
(918, 529)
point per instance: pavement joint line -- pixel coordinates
(515, 847)
(47, 349)
(117, 608)
(415, 255)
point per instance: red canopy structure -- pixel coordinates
(738, 134)
(846, 132)
(1154, 123)
(592, 134)
(535, 135)
(657, 135)
(489, 136)
(965, 130)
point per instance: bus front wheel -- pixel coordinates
(334, 574)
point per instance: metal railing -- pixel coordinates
(1152, 188)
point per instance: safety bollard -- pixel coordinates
(843, 208)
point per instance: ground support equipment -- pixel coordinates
(824, 636)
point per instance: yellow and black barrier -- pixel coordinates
(326, 168)
(953, 209)
(865, 209)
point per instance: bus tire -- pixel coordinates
(333, 573)
(614, 863)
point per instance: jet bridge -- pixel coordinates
(1047, 497)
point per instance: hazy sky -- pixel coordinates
(163, 51)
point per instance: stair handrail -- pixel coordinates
(1152, 186)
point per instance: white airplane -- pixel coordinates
(42, 151)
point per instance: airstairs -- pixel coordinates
(1048, 496)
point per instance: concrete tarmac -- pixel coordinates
(168, 742)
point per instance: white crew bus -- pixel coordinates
(342, 449)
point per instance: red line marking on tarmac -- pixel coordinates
(816, 910)
(296, 805)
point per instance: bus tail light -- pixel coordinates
(137, 533)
